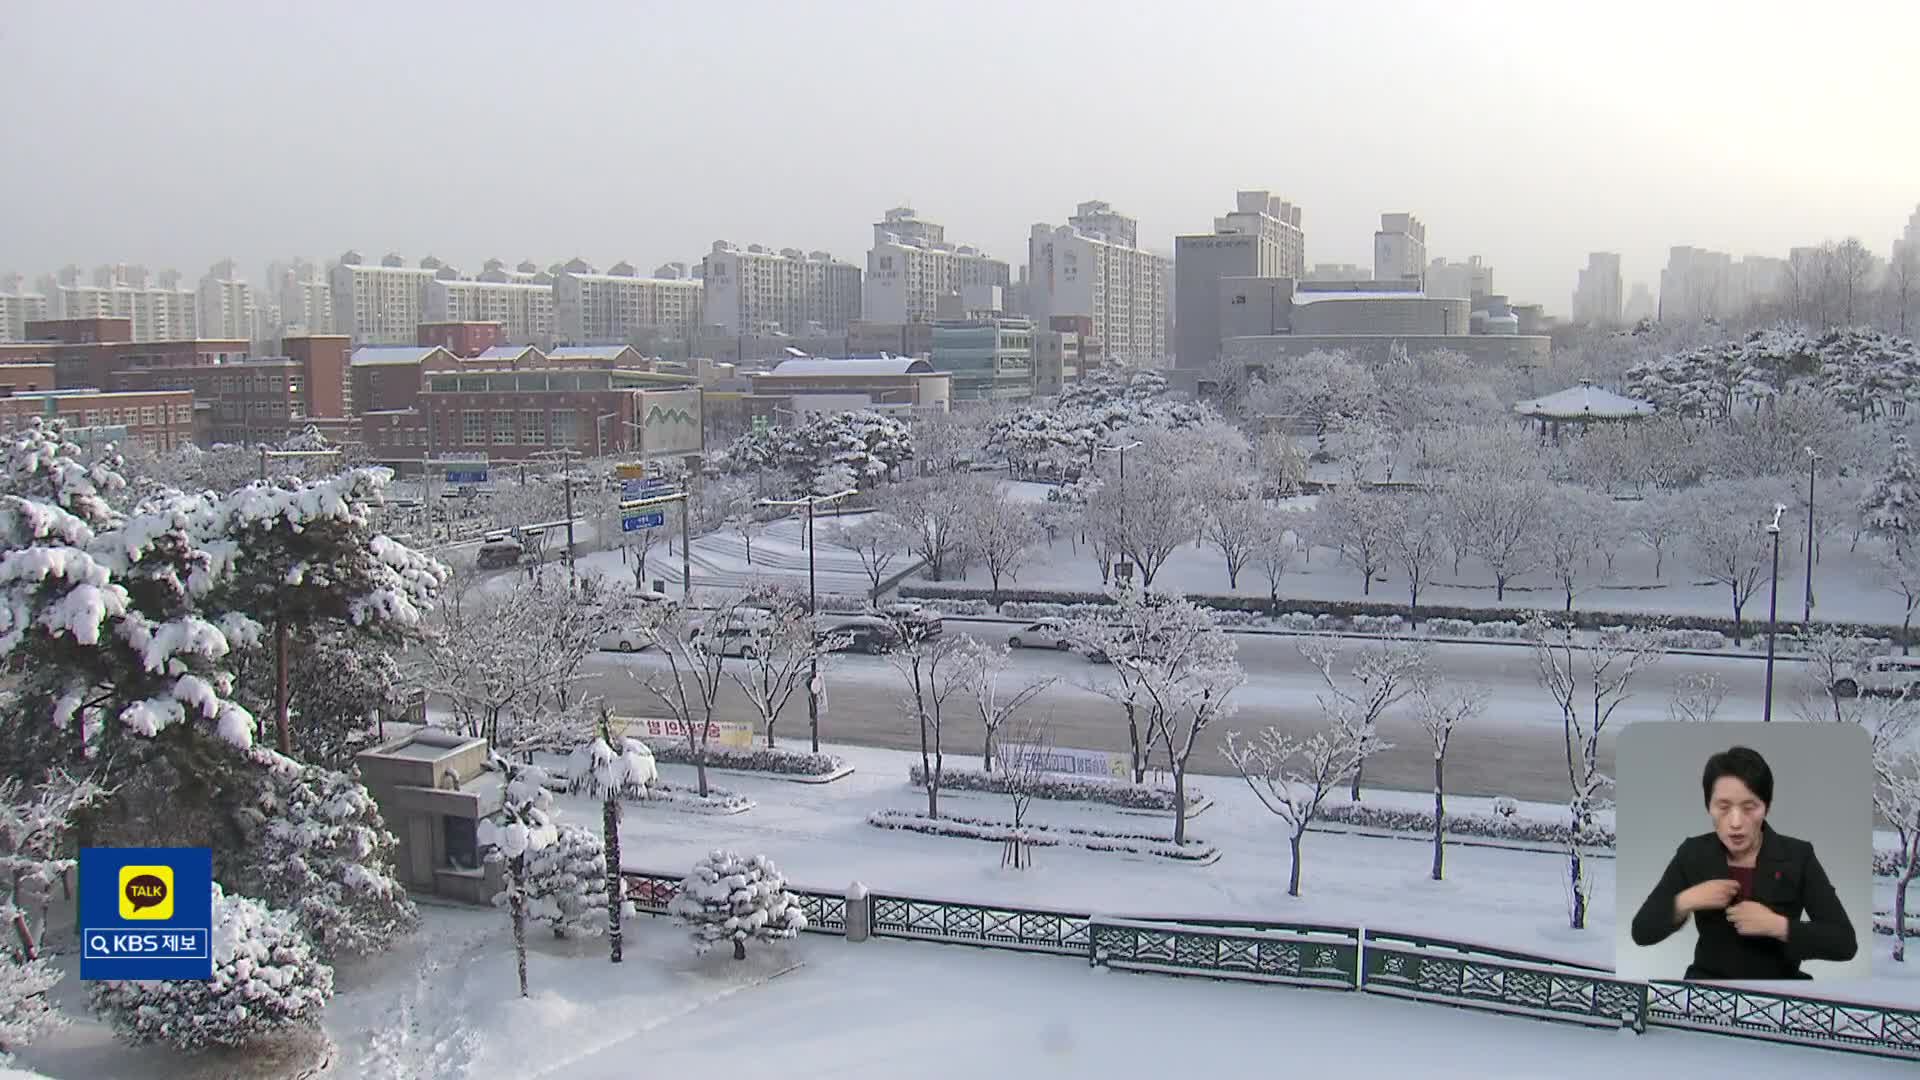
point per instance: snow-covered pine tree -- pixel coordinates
(265, 979)
(317, 849)
(25, 1012)
(1891, 508)
(597, 769)
(36, 830)
(517, 832)
(732, 898)
(567, 883)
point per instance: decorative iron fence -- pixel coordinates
(1377, 961)
(1300, 956)
(1448, 973)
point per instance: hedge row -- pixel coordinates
(1502, 824)
(1068, 788)
(758, 759)
(681, 797)
(1448, 614)
(1043, 836)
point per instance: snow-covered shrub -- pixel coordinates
(318, 849)
(1298, 621)
(1069, 788)
(731, 898)
(1329, 623)
(513, 836)
(25, 1012)
(265, 978)
(1454, 628)
(1502, 630)
(1703, 640)
(967, 828)
(1505, 806)
(756, 759)
(567, 884)
(1491, 827)
(1236, 618)
(1378, 624)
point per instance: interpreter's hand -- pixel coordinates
(1707, 896)
(1754, 919)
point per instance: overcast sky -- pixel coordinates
(174, 133)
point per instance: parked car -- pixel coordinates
(1047, 633)
(917, 619)
(629, 639)
(1882, 676)
(498, 551)
(860, 633)
(734, 636)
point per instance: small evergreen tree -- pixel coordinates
(517, 832)
(567, 883)
(596, 769)
(317, 848)
(1891, 508)
(731, 898)
(25, 1012)
(265, 979)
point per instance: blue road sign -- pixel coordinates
(644, 488)
(466, 476)
(637, 522)
(146, 913)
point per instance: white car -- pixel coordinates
(631, 639)
(1882, 676)
(1048, 633)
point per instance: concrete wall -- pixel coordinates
(1253, 306)
(1397, 315)
(1514, 350)
(1199, 263)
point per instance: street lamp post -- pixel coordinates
(813, 607)
(566, 472)
(1122, 451)
(1813, 459)
(1773, 606)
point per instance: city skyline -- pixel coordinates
(1498, 152)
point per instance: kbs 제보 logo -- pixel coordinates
(146, 913)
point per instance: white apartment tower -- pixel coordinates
(592, 308)
(1459, 280)
(160, 309)
(226, 304)
(1260, 237)
(1399, 248)
(1597, 298)
(380, 304)
(911, 267)
(756, 290)
(1280, 244)
(1119, 288)
(17, 308)
(303, 296)
(523, 308)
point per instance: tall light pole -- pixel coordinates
(1773, 605)
(813, 607)
(1122, 451)
(566, 472)
(1813, 459)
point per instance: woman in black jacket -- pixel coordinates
(1760, 901)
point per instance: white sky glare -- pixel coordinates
(175, 133)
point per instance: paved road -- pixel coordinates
(1515, 749)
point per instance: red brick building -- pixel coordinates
(161, 420)
(24, 377)
(388, 377)
(462, 339)
(86, 353)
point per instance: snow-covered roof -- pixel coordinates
(814, 367)
(1584, 402)
(589, 352)
(1305, 297)
(503, 352)
(367, 355)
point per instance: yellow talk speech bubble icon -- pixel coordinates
(146, 892)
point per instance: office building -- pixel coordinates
(524, 309)
(1119, 288)
(754, 290)
(990, 359)
(912, 272)
(226, 303)
(1459, 280)
(264, 399)
(1056, 360)
(380, 304)
(619, 305)
(89, 352)
(1260, 237)
(1596, 298)
(1337, 272)
(1399, 248)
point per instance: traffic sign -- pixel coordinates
(638, 522)
(467, 476)
(644, 488)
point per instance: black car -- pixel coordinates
(860, 633)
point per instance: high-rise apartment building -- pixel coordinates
(1118, 288)
(160, 309)
(1260, 237)
(1399, 248)
(1639, 304)
(17, 306)
(595, 308)
(1596, 298)
(524, 309)
(380, 304)
(911, 268)
(1459, 280)
(303, 296)
(1337, 272)
(756, 290)
(226, 303)
(1910, 239)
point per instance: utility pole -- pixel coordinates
(813, 607)
(1122, 451)
(1773, 607)
(1806, 613)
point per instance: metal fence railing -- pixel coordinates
(1389, 963)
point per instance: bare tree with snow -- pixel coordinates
(1292, 776)
(776, 653)
(1442, 707)
(1003, 534)
(1360, 525)
(934, 669)
(1899, 573)
(1830, 658)
(1021, 778)
(1657, 522)
(1727, 540)
(1237, 527)
(935, 511)
(1697, 697)
(1588, 683)
(876, 540)
(1415, 543)
(1188, 679)
(1382, 676)
(986, 666)
(1896, 799)
(690, 687)
(1570, 535)
(1276, 549)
